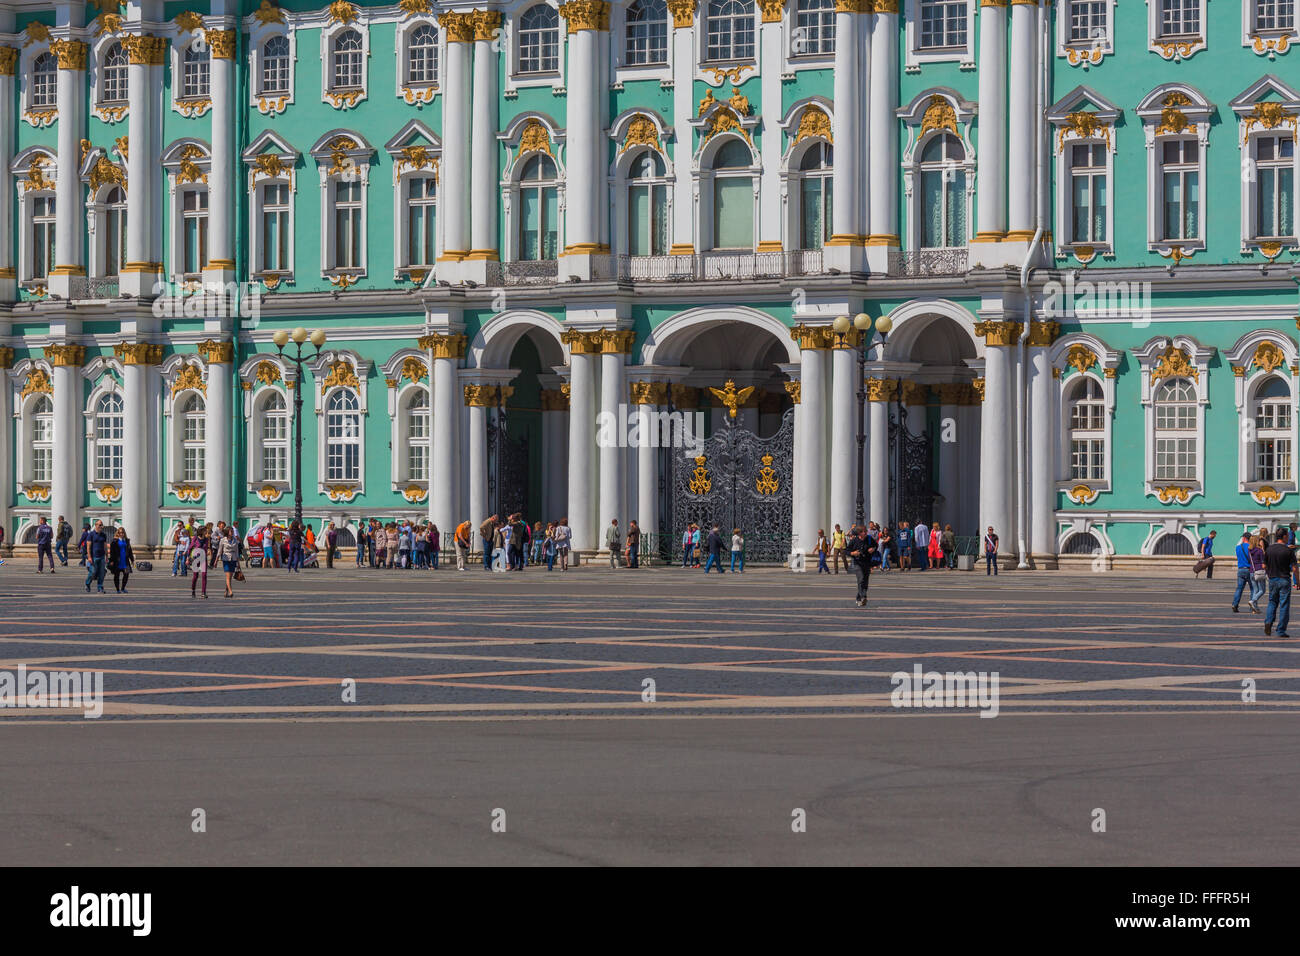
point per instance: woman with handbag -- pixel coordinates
(121, 559)
(1258, 574)
(228, 552)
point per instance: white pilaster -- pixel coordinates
(683, 41)
(454, 177)
(217, 439)
(883, 139)
(588, 26)
(991, 215)
(69, 259)
(582, 446)
(221, 186)
(844, 428)
(68, 486)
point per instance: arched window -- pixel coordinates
(647, 206)
(814, 28)
(109, 436)
(42, 236)
(275, 66)
(114, 87)
(730, 30)
(1083, 542)
(733, 197)
(45, 82)
(646, 33)
(1273, 423)
(192, 421)
(42, 412)
(343, 437)
(1087, 430)
(815, 172)
(114, 238)
(539, 40)
(347, 54)
(195, 75)
(273, 437)
(417, 436)
(1168, 544)
(422, 57)
(943, 193)
(1175, 408)
(538, 209)
(421, 200)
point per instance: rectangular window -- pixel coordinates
(42, 236)
(347, 225)
(1088, 21)
(1088, 193)
(1274, 16)
(275, 228)
(1086, 459)
(733, 224)
(420, 241)
(943, 24)
(1274, 187)
(192, 468)
(1181, 189)
(114, 241)
(42, 464)
(194, 212)
(1180, 18)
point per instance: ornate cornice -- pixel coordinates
(444, 346)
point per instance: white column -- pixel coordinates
(949, 455)
(68, 487)
(445, 406)
(991, 215)
(221, 191)
(1022, 122)
(847, 231)
(1042, 501)
(588, 25)
(143, 266)
(71, 220)
(844, 431)
(454, 176)
(217, 439)
(9, 100)
(137, 515)
(613, 477)
(647, 461)
(772, 53)
(484, 177)
(582, 445)
(997, 432)
(683, 205)
(883, 173)
(813, 481)
(7, 440)
(879, 392)
(478, 412)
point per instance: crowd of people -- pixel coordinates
(1266, 565)
(908, 548)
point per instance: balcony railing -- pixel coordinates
(94, 287)
(928, 262)
(707, 266)
(523, 272)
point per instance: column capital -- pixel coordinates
(849, 340)
(953, 393)
(856, 6)
(459, 27)
(582, 343)
(773, 10)
(585, 15)
(685, 397)
(6, 357)
(813, 336)
(649, 393)
(141, 353)
(218, 352)
(1043, 333)
(444, 346)
(486, 24)
(886, 6)
(882, 389)
(794, 390)
(683, 12)
(977, 390)
(145, 50)
(484, 396)
(222, 43)
(66, 356)
(555, 400)
(615, 341)
(998, 333)
(71, 54)
(8, 60)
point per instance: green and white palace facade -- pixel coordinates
(521, 225)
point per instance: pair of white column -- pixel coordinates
(221, 191)
(218, 440)
(69, 259)
(813, 426)
(483, 145)
(454, 175)
(8, 69)
(143, 267)
(67, 485)
(588, 26)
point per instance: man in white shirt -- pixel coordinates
(922, 539)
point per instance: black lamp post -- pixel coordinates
(281, 339)
(862, 324)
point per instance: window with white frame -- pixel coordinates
(1088, 193)
(647, 205)
(343, 436)
(346, 56)
(733, 197)
(814, 28)
(729, 30)
(943, 193)
(539, 215)
(1274, 16)
(421, 206)
(193, 417)
(196, 75)
(645, 31)
(275, 251)
(1087, 430)
(347, 224)
(42, 237)
(1180, 18)
(1088, 22)
(109, 437)
(417, 436)
(42, 419)
(275, 67)
(1180, 191)
(1274, 186)
(1271, 458)
(539, 40)
(943, 24)
(422, 56)
(194, 230)
(114, 88)
(45, 82)
(273, 437)
(1175, 405)
(816, 171)
(114, 237)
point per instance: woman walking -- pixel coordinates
(122, 559)
(948, 542)
(934, 550)
(433, 541)
(548, 546)
(198, 562)
(737, 550)
(228, 553)
(562, 535)
(885, 545)
(633, 544)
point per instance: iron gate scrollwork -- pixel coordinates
(910, 478)
(507, 469)
(735, 479)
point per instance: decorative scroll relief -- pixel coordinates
(814, 122)
(641, 131)
(1269, 115)
(270, 494)
(1178, 50)
(272, 105)
(1270, 47)
(1083, 125)
(1082, 494)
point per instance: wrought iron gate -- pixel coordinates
(507, 468)
(737, 480)
(910, 485)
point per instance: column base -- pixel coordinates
(219, 273)
(879, 249)
(845, 253)
(8, 288)
(143, 282)
(473, 268)
(63, 279)
(579, 262)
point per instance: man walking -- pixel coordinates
(922, 543)
(1206, 550)
(62, 535)
(1280, 564)
(714, 545)
(44, 535)
(96, 557)
(487, 531)
(990, 553)
(839, 550)
(861, 549)
(1244, 573)
(613, 541)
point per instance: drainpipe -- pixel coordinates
(237, 300)
(1022, 398)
